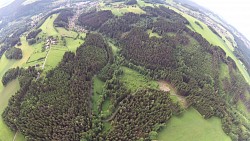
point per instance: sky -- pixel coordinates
(235, 12)
(5, 2)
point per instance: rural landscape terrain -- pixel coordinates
(121, 70)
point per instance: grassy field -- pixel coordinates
(120, 11)
(134, 80)
(107, 126)
(224, 71)
(37, 56)
(97, 95)
(5, 133)
(5, 92)
(73, 44)
(143, 4)
(242, 108)
(57, 51)
(114, 48)
(66, 33)
(215, 40)
(55, 54)
(48, 26)
(105, 107)
(192, 127)
(151, 34)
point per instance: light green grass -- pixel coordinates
(107, 126)
(114, 48)
(5, 92)
(37, 54)
(48, 26)
(73, 44)
(97, 95)
(5, 133)
(66, 33)
(192, 127)
(173, 93)
(215, 40)
(224, 71)
(151, 34)
(57, 51)
(106, 110)
(241, 107)
(7, 64)
(126, 9)
(106, 105)
(34, 58)
(141, 3)
(55, 56)
(134, 80)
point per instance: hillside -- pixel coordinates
(122, 70)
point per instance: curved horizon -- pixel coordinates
(234, 13)
(4, 3)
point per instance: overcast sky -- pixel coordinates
(5, 2)
(235, 12)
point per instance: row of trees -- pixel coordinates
(33, 34)
(10, 75)
(14, 53)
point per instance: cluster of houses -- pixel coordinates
(35, 19)
(50, 41)
(80, 8)
(119, 6)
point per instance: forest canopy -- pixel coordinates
(86, 96)
(14, 53)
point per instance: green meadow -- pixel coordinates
(153, 34)
(120, 11)
(73, 44)
(48, 26)
(97, 95)
(191, 126)
(134, 80)
(6, 92)
(66, 33)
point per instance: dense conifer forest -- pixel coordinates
(59, 106)
(63, 18)
(14, 53)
